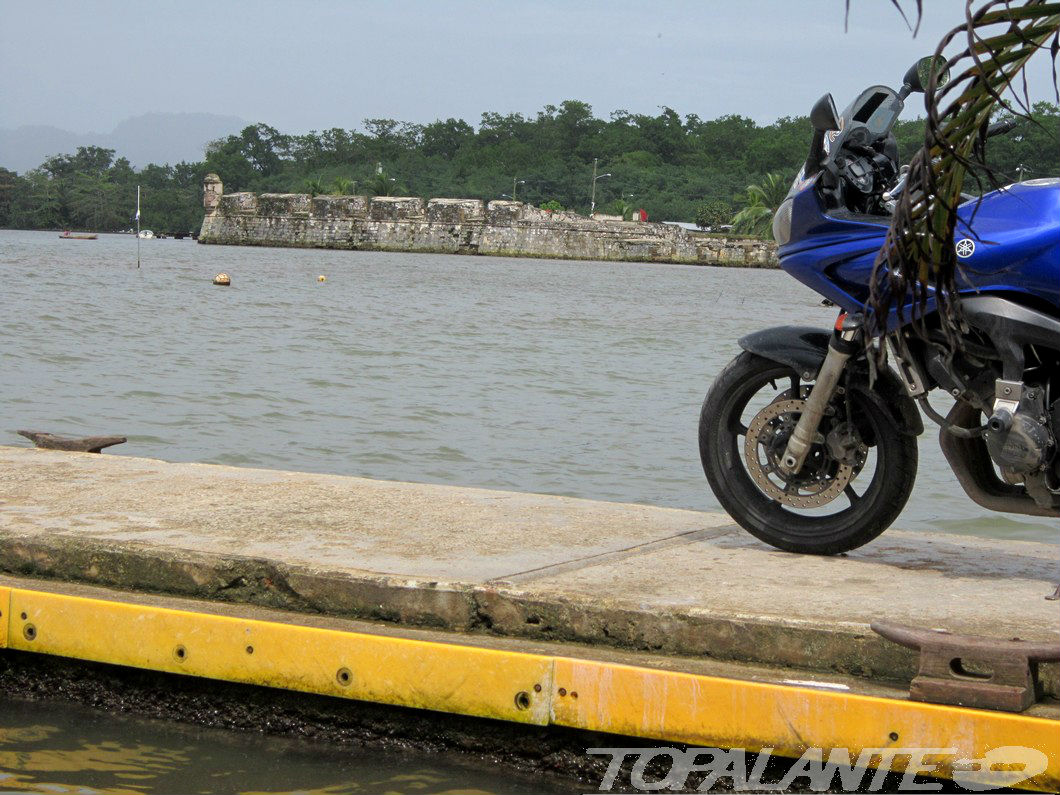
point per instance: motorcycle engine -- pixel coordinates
(1018, 437)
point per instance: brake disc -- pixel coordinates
(803, 490)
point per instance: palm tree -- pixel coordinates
(315, 187)
(760, 203)
(382, 185)
(919, 258)
(342, 186)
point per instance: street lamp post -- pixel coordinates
(516, 183)
(592, 201)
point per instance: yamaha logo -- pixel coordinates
(965, 248)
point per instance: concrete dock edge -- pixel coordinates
(540, 567)
(459, 607)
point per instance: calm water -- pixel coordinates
(47, 748)
(577, 378)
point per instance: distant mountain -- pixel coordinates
(150, 138)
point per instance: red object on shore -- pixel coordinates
(643, 214)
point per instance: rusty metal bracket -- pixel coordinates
(86, 444)
(972, 670)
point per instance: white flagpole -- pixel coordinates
(137, 226)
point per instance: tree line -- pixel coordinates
(676, 168)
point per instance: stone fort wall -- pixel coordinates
(459, 226)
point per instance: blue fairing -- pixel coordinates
(1014, 248)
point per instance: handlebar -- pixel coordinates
(1001, 127)
(997, 128)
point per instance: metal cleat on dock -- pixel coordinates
(972, 670)
(84, 444)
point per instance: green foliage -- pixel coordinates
(620, 207)
(552, 205)
(713, 213)
(91, 190)
(9, 191)
(381, 184)
(340, 186)
(758, 205)
(1033, 138)
(674, 165)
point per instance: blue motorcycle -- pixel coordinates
(811, 450)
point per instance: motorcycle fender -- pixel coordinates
(803, 348)
(889, 395)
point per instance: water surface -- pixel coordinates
(575, 378)
(53, 748)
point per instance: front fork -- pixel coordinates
(845, 342)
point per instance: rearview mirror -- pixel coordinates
(823, 115)
(918, 78)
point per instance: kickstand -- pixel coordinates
(1056, 595)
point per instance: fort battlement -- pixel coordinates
(458, 226)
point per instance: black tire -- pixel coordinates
(720, 448)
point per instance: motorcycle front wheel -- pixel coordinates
(856, 479)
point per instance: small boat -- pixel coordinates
(77, 236)
(146, 234)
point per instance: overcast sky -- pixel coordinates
(314, 64)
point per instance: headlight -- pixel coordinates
(782, 223)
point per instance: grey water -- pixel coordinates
(573, 378)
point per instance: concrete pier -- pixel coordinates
(524, 565)
(505, 605)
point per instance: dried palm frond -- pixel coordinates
(918, 260)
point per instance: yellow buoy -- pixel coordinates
(322, 278)
(222, 279)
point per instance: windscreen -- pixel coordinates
(876, 109)
(868, 118)
(873, 114)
